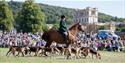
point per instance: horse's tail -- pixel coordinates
(45, 36)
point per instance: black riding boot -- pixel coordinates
(66, 41)
(65, 38)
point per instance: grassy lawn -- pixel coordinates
(107, 57)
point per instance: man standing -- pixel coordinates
(63, 27)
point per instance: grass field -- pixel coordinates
(107, 57)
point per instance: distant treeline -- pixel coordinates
(53, 12)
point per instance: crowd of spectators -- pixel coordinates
(109, 44)
(18, 39)
(86, 40)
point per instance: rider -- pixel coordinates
(63, 28)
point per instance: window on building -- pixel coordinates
(85, 20)
(93, 13)
(82, 20)
(87, 13)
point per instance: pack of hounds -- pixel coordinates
(76, 51)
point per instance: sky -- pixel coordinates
(111, 7)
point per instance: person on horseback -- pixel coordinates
(63, 28)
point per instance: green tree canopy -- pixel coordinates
(31, 18)
(53, 13)
(6, 16)
(56, 25)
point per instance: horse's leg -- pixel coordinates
(47, 45)
(67, 44)
(67, 53)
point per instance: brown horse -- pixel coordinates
(55, 35)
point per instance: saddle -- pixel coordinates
(64, 35)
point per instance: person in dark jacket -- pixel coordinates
(63, 27)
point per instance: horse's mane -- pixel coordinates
(73, 26)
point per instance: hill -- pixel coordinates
(53, 12)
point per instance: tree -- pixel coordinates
(53, 13)
(31, 18)
(56, 25)
(120, 29)
(6, 16)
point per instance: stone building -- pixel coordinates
(86, 16)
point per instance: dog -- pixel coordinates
(72, 51)
(86, 50)
(19, 49)
(35, 50)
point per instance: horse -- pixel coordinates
(55, 35)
